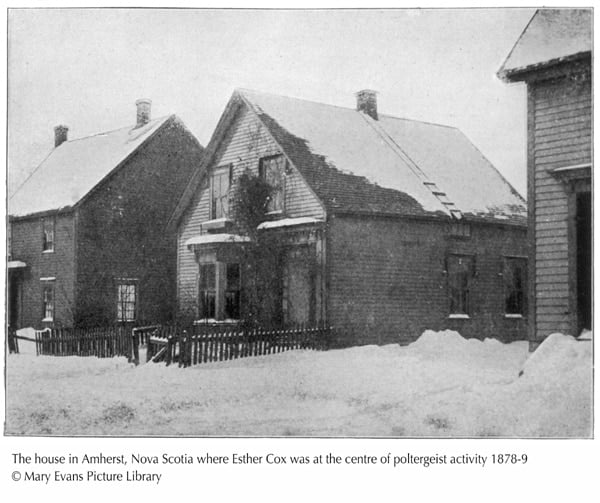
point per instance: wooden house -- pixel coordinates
(386, 226)
(87, 229)
(553, 57)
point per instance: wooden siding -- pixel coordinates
(27, 247)
(388, 279)
(560, 130)
(242, 147)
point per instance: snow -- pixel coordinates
(75, 167)
(398, 154)
(551, 34)
(289, 222)
(216, 238)
(16, 264)
(442, 385)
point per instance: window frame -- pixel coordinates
(48, 228)
(465, 296)
(506, 288)
(204, 307)
(219, 290)
(220, 172)
(235, 290)
(263, 168)
(48, 285)
(121, 311)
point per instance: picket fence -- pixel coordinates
(173, 344)
(187, 348)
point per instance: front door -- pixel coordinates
(584, 260)
(299, 291)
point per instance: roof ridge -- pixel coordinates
(93, 135)
(242, 90)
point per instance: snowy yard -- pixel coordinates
(441, 385)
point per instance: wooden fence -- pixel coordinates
(171, 344)
(187, 348)
(104, 342)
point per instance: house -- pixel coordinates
(87, 230)
(553, 58)
(385, 226)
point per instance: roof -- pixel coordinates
(76, 166)
(391, 166)
(551, 36)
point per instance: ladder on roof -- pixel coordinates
(441, 196)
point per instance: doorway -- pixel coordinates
(583, 224)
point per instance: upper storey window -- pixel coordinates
(48, 235)
(220, 185)
(272, 170)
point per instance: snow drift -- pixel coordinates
(441, 385)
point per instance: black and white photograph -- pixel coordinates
(310, 223)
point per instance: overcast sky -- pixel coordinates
(86, 68)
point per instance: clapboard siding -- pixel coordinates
(242, 147)
(561, 132)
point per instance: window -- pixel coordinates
(48, 234)
(207, 291)
(232, 292)
(272, 170)
(515, 278)
(48, 301)
(126, 301)
(460, 270)
(220, 183)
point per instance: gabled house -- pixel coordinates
(386, 226)
(553, 58)
(87, 230)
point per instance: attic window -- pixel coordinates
(219, 192)
(48, 235)
(272, 169)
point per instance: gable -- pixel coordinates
(74, 168)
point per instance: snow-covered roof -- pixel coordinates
(550, 36)
(16, 264)
(390, 165)
(289, 222)
(75, 167)
(205, 239)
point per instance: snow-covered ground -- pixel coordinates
(441, 385)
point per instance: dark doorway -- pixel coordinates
(13, 300)
(584, 260)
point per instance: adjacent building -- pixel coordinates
(87, 230)
(383, 226)
(553, 57)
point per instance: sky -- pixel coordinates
(86, 67)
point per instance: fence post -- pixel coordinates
(135, 346)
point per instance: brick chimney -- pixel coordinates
(143, 111)
(60, 135)
(366, 101)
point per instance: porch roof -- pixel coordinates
(289, 222)
(212, 239)
(16, 264)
